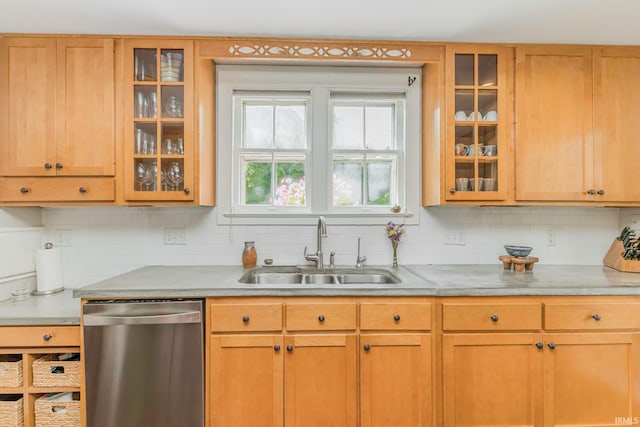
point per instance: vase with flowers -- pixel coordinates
(394, 232)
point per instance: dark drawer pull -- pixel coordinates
(539, 345)
(321, 318)
(24, 190)
(367, 347)
(289, 348)
(186, 191)
(276, 347)
(396, 317)
(58, 165)
(82, 190)
(596, 317)
(47, 165)
(245, 319)
(47, 337)
(551, 345)
(494, 317)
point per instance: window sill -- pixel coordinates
(229, 218)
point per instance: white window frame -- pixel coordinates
(320, 81)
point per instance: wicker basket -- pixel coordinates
(48, 371)
(10, 370)
(11, 410)
(58, 414)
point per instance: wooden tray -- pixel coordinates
(614, 259)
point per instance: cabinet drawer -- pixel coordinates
(321, 317)
(39, 336)
(390, 316)
(592, 316)
(57, 189)
(491, 317)
(246, 317)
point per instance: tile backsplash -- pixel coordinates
(100, 242)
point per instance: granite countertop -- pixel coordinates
(54, 309)
(417, 280)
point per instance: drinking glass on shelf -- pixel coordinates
(140, 174)
(175, 176)
(167, 146)
(173, 107)
(179, 148)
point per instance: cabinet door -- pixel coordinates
(85, 107)
(591, 379)
(492, 380)
(320, 381)
(616, 112)
(553, 137)
(159, 147)
(246, 380)
(27, 106)
(395, 380)
(478, 155)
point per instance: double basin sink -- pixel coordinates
(318, 276)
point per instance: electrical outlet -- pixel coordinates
(63, 237)
(551, 238)
(455, 237)
(175, 236)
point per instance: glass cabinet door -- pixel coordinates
(475, 117)
(158, 152)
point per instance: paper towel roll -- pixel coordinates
(49, 275)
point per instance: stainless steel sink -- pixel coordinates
(313, 276)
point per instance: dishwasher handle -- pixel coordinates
(155, 319)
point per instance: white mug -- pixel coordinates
(461, 116)
(472, 116)
(491, 116)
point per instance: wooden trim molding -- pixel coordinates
(239, 48)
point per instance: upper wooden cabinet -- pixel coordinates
(158, 120)
(575, 111)
(56, 107)
(478, 117)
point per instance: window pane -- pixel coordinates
(258, 126)
(348, 127)
(291, 126)
(257, 179)
(290, 177)
(347, 180)
(379, 186)
(380, 130)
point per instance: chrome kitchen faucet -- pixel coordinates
(317, 257)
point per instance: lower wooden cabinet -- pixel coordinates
(30, 370)
(395, 380)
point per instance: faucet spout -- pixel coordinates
(317, 257)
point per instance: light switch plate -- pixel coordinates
(455, 237)
(175, 236)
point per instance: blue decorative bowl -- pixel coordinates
(518, 251)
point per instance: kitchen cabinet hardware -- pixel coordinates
(596, 317)
(47, 165)
(600, 192)
(452, 190)
(82, 190)
(494, 317)
(187, 191)
(24, 190)
(551, 345)
(539, 345)
(245, 319)
(58, 165)
(47, 337)
(396, 317)
(276, 347)
(591, 192)
(321, 318)
(289, 348)
(367, 347)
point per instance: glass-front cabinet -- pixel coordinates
(477, 123)
(159, 120)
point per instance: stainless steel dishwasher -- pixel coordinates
(144, 363)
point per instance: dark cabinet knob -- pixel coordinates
(82, 190)
(245, 319)
(539, 345)
(396, 317)
(596, 317)
(289, 347)
(452, 191)
(591, 191)
(321, 318)
(494, 317)
(276, 347)
(58, 165)
(24, 190)
(551, 345)
(47, 337)
(47, 166)
(601, 192)
(367, 347)
(186, 191)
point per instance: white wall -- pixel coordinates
(106, 241)
(20, 237)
